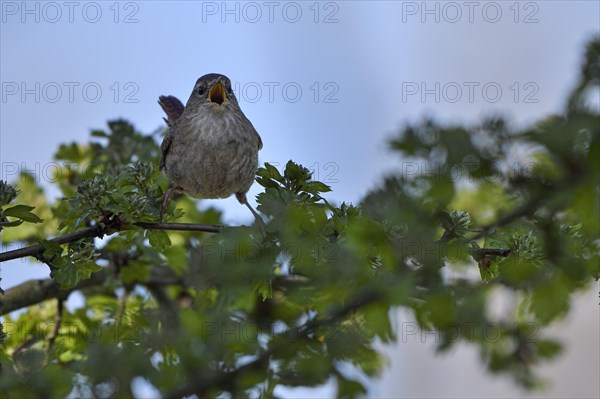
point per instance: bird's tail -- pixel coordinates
(172, 107)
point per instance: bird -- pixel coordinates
(211, 148)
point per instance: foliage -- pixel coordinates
(294, 300)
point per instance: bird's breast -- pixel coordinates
(212, 158)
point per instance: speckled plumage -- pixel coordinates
(211, 149)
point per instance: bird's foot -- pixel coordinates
(165, 202)
(241, 197)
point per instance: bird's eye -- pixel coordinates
(201, 90)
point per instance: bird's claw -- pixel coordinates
(241, 197)
(165, 202)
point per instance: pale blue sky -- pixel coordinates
(365, 58)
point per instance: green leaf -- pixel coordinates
(549, 349)
(263, 289)
(177, 257)
(22, 212)
(446, 221)
(461, 222)
(51, 248)
(158, 239)
(70, 273)
(550, 300)
(270, 173)
(99, 133)
(67, 275)
(438, 311)
(488, 269)
(266, 182)
(7, 193)
(135, 271)
(378, 322)
(11, 224)
(82, 218)
(349, 389)
(317, 187)
(441, 192)
(296, 174)
(86, 268)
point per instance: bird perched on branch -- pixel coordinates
(211, 148)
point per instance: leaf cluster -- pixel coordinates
(301, 297)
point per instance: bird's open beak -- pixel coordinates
(217, 93)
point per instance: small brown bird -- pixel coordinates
(211, 148)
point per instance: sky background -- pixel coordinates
(325, 84)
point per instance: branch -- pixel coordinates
(492, 252)
(526, 209)
(33, 250)
(208, 228)
(100, 231)
(59, 317)
(529, 207)
(35, 291)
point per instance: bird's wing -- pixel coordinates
(164, 148)
(260, 143)
(173, 108)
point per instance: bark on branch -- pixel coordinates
(100, 231)
(35, 291)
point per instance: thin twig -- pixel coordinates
(59, 315)
(207, 228)
(100, 231)
(96, 231)
(492, 252)
(526, 209)
(529, 207)
(122, 305)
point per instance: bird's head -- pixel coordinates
(213, 92)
